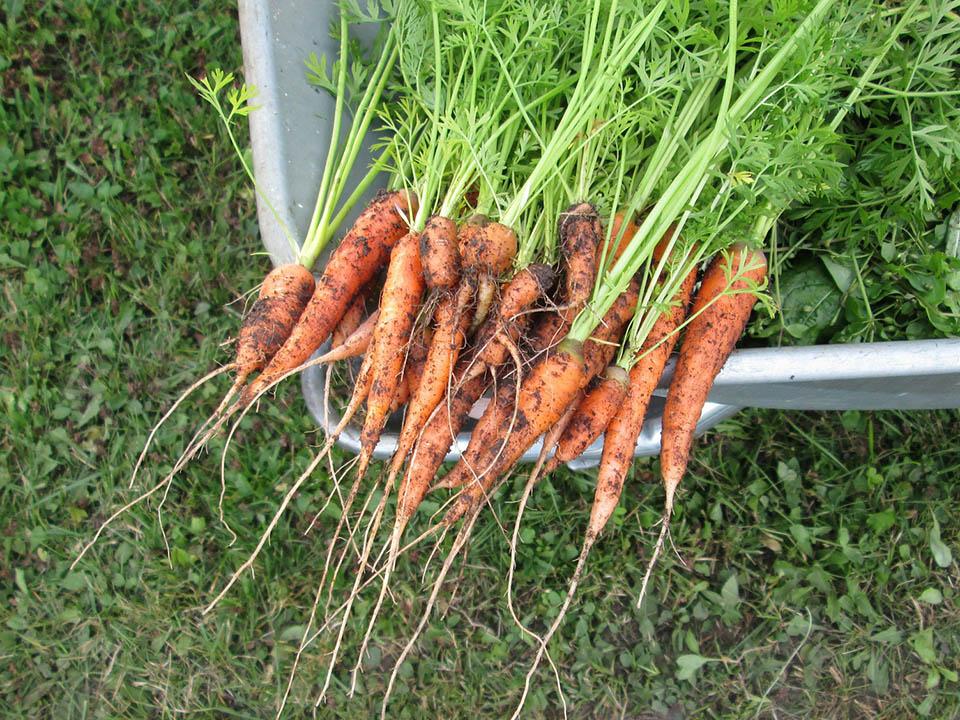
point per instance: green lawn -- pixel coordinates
(819, 576)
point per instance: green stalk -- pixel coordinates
(325, 229)
(361, 187)
(433, 175)
(338, 103)
(367, 109)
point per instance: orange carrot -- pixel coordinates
(591, 416)
(585, 425)
(402, 394)
(350, 321)
(398, 311)
(439, 254)
(486, 249)
(579, 232)
(361, 253)
(498, 417)
(448, 339)
(563, 371)
(486, 253)
(283, 296)
(719, 316)
(412, 372)
(624, 427)
(597, 353)
(543, 397)
(618, 444)
(502, 329)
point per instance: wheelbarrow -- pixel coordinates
(289, 134)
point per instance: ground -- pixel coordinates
(814, 572)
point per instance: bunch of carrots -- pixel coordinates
(575, 191)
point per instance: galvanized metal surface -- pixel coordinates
(289, 134)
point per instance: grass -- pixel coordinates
(820, 576)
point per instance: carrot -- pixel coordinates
(439, 254)
(487, 252)
(486, 298)
(486, 249)
(591, 417)
(398, 310)
(550, 440)
(584, 421)
(579, 232)
(361, 253)
(661, 247)
(619, 243)
(624, 428)
(350, 321)
(402, 394)
(498, 417)
(448, 339)
(719, 316)
(502, 329)
(283, 296)
(545, 395)
(542, 398)
(585, 425)
(353, 346)
(411, 375)
(622, 425)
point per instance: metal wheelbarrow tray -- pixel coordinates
(290, 132)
